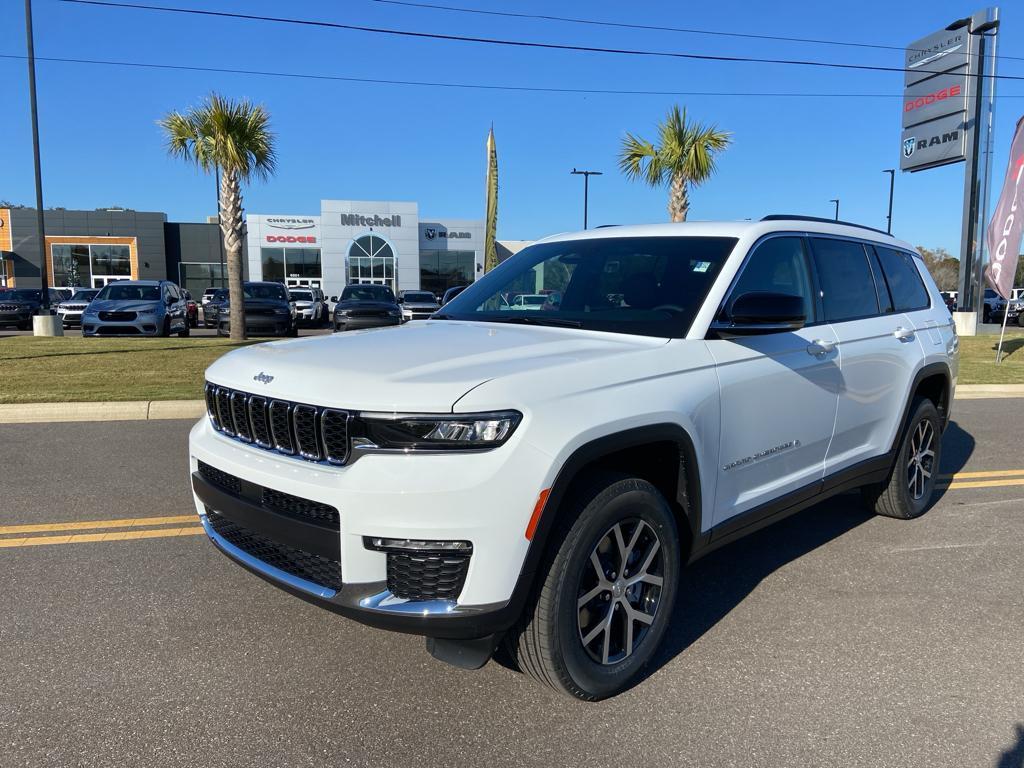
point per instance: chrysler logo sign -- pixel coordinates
(290, 223)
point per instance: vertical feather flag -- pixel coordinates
(491, 225)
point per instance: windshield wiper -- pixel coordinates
(534, 320)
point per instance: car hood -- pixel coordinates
(422, 367)
(125, 306)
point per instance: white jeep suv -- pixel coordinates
(537, 479)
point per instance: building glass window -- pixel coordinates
(441, 270)
(371, 260)
(196, 277)
(76, 265)
(281, 263)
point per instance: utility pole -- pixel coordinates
(892, 185)
(44, 283)
(586, 189)
(836, 201)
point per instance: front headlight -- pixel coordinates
(280, 311)
(433, 432)
(394, 313)
(90, 311)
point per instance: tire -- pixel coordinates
(1020, 319)
(165, 331)
(24, 326)
(293, 332)
(185, 332)
(986, 315)
(547, 642)
(896, 497)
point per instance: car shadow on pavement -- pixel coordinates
(713, 586)
(1014, 756)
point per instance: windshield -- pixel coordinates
(651, 286)
(367, 293)
(420, 297)
(272, 291)
(301, 295)
(24, 294)
(121, 292)
(84, 295)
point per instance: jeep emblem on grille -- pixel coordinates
(263, 378)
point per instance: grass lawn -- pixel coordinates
(73, 369)
(978, 359)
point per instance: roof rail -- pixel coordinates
(819, 219)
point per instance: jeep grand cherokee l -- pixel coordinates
(538, 479)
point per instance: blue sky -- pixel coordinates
(347, 140)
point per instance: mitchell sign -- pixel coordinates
(355, 220)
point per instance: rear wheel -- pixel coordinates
(908, 491)
(185, 331)
(600, 611)
(165, 329)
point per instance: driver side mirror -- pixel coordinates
(334, 299)
(761, 312)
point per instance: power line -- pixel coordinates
(657, 28)
(516, 43)
(473, 86)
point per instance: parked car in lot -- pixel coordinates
(451, 293)
(310, 306)
(268, 311)
(417, 305)
(19, 305)
(950, 298)
(1013, 310)
(70, 310)
(212, 305)
(209, 293)
(366, 306)
(136, 308)
(989, 303)
(528, 301)
(192, 309)
(539, 479)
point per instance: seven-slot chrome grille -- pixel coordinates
(309, 432)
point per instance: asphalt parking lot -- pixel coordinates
(832, 638)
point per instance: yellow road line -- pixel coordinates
(84, 525)
(81, 538)
(992, 473)
(982, 484)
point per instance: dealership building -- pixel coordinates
(346, 241)
(357, 241)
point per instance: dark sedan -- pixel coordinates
(268, 311)
(18, 305)
(211, 308)
(366, 306)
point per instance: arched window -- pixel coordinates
(371, 259)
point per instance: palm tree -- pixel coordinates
(684, 158)
(234, 137)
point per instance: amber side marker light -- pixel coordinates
(538, 510)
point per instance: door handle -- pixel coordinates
(903, 334)
(820, 347)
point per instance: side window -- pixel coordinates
(847, 286)
(908, 291)
(881, 286)
(778, 265)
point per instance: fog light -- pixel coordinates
(415, 545)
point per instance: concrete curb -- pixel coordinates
(146, 410)
(988, 391)
(137, 410)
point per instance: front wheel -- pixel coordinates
(908, 491)
(600, 611)
(185, 331)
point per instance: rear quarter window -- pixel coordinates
(905, 284)
(847, 285)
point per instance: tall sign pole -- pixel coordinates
(981, 93)
(40, 224)
(948, 105)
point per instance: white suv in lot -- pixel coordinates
(539, 478)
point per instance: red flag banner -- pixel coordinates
(1007, 225)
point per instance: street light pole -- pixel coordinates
(892, 184)
(40, 224)
(586, 189)
(836, 201)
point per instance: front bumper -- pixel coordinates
(260, 325)
(357, 322)
(483, 498)
(15, 318)
(71, 317)
(148, 325)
